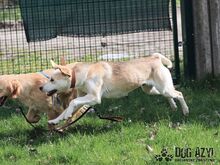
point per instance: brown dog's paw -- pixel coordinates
(33, 119)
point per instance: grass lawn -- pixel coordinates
(148, 122)
(11, 14)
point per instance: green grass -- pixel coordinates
(178, 2)
(10, 14)
(33, 61)
(94, 141)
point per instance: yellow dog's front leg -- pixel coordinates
(88, 99)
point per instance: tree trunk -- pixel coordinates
(215, 36)
(206, 18)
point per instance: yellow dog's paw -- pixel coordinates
(186, 111)
(53, 121)
(68, 114)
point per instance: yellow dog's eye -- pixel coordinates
(51, 80)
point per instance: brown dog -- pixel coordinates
(25, 87)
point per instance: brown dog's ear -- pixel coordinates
(40, 82)
(15, 88)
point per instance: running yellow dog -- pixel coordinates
(94, 81)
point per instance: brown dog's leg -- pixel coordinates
(33, 116)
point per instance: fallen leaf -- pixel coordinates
(152, 134)
(149, 148)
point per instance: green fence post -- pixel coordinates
(175, 40)
(188, 39)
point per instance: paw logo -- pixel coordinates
(164, 155)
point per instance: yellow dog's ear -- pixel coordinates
(63, 69)
(54, 65)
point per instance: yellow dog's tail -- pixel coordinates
(164, 60)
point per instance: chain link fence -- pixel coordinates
(86, 30)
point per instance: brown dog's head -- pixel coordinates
(9, 88)
(61, 80)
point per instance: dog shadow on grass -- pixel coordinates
(137, 107)
(10, 108)
(40, 135)
(203, 106)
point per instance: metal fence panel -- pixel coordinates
(46, 19)
(19, 56)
